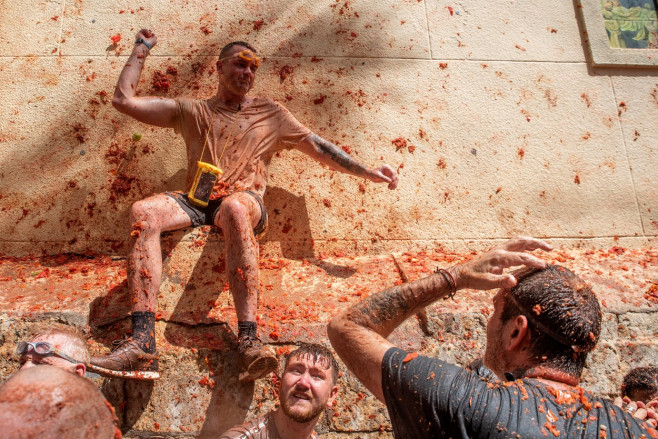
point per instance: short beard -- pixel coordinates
(301, 418)
(493, 357)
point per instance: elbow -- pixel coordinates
(120, 103)
(334, 331)
(117, 102)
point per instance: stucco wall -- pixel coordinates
(512, 132)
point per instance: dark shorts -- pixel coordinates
(206, 215)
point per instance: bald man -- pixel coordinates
(47, 402)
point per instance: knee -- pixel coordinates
(232, 213)
(142, 217)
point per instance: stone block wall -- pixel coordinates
(489, 111)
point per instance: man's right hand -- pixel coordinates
(485, 272)
(153, 110)
(148, 36)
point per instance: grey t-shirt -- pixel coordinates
(427, 397)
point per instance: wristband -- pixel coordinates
(450, 280)
(141, 40)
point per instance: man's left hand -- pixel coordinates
(384, 174)
(485, 272)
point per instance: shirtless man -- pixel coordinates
(641, 384)
(47, 402)
(639, 394)
(245, 132)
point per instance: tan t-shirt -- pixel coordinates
(262, 128)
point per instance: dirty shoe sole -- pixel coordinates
(258, 369)
(141, 375)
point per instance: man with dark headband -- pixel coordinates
(307, 388)
(545, 321)
(232, 138)
(57, 346)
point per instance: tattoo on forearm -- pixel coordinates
(338, 155)
(382, 307)
(393, 305)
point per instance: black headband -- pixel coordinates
(546, 330)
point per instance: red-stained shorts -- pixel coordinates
(206, 215)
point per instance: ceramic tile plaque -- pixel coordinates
(621, 32)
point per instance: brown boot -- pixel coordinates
(128, 361)
(256, 361)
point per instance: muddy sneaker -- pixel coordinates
(128, 361)
(256, 360)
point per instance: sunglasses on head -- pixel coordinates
(43, 349)
(246, 55)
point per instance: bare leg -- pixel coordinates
(150, 217)
(135, 357)
(238, 215)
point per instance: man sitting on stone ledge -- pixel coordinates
(238, 134)
(307, 388)
(545, 321)
(56, 345)
(47, 402)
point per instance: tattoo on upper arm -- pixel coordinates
(337, 155)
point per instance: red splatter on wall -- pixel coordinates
(284, 72)
(399, 143)
(258, 24)
(160, 81)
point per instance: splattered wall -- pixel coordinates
(487, 110)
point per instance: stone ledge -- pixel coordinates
(199, 394)
(280, 247)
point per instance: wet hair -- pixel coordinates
(224, 52)
(319, 354)
(564, 316)
(641, 380)
(75, 346)
(48, 402)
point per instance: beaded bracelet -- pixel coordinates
(452, 283)
(141, 40)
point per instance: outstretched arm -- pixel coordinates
(148, 109)
(359, 334)
(329, 154)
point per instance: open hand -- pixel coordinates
(485, 271)
(385, 174)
